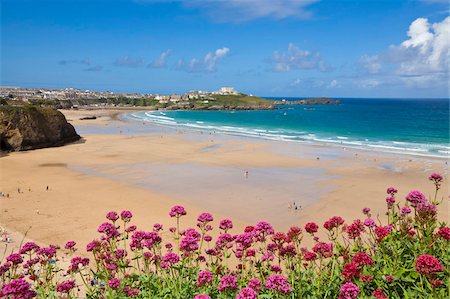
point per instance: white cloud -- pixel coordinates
(333, 84)
(370, 63)
(161, 61)
(426, 52)
(422, 60)
(208, 64)
(127, 61)
(246, 10)
(296, 82)
(297, 59)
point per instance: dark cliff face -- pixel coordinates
(26, 127)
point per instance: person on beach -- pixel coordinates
(246, 174)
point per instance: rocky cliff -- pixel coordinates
(28, 127)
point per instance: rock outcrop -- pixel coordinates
(311, 101)
(28, 127)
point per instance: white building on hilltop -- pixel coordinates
(227, 90)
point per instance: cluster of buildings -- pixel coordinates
(77, 94)
(20, 93)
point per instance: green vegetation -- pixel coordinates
(212, 102)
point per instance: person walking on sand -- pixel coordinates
(246, 174)
(47, 188)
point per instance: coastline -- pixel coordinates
(89, 178)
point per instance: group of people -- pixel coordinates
(293, 206)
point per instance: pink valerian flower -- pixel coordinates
(279, 238)
(223, 240)
(288, 250)
(367, 278)
(94, 245)
(295, 233)
(382, 232)
(351, 271)
(157, 227)
(131, 228)
(227, 282)
(426, 211)
(255, 284)
(263, 229)
(267, 257)
(444, 232)
(126, 215)
(437, 283)
(75, 263)
(108, 229)
(47, 252)
(27, 247)
(17, 289)
(177, 211)
(389, 278)
(14, 258)
(70, 245)
(366, 211)
(114, 283)
(405, 211)
(275, 269)
(348, 291)
(333, 222)
(244, 240)
(391, 191)
(390, 200)
(65, 286)
(207, 238)
(246, 293)
(204, 277)
(325, 249)
(355, 229)
(369, 222)
(112, 216)
(190, 240)
(311, 227)
(309, 256)
(362, 259)
(202, 296)
(436, 178)
(169, 259)
(428, 265)
(379, 294)
(226, 224)
(415, 197)
(132, 292)
(278, 283)
(205, 218)
(5, 268)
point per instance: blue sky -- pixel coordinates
(294, 48)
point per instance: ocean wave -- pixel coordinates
(419, 149)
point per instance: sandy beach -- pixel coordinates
(147, 169)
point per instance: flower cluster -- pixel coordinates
(363, 258)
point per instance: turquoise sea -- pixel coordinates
(409, 126)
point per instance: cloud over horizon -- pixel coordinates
(208, 64)
(161, 61)
(127, 61)
(297, 59)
